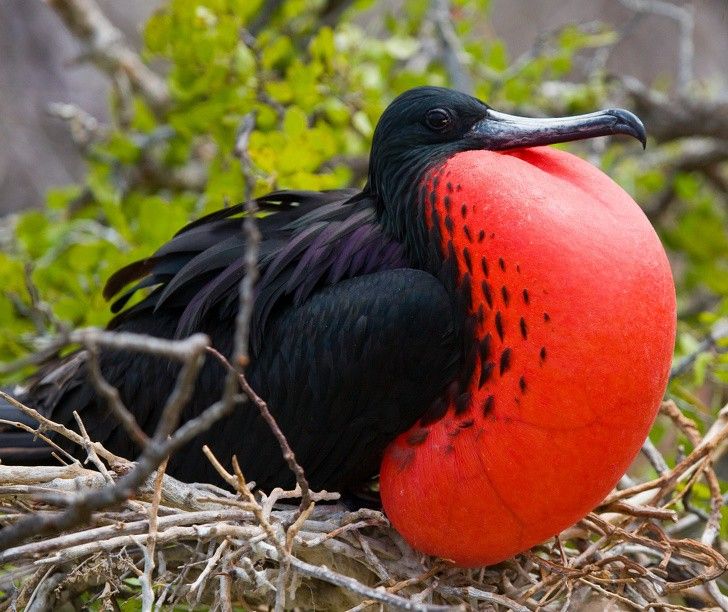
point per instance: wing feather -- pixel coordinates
(314, 239)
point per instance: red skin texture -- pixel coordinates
(550, 449)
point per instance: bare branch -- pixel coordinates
(161, 446)
(89, 448)
(654, 456)
(453, 55)
(684, 16)
(180, 350)
(252, 244)
(225, 592)
(668, 118)
(478, 594)
(105, 46)
(85, 128)
(79, 509)
(39, 434)
(59, 429)
(212, 562)
(718, 332)
(100, 533)
(396, 602)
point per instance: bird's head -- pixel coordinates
(427, 125)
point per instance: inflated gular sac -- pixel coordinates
(578, 326)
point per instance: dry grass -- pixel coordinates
(201, 545)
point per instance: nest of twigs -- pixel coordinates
(176, 543)
(108, 530)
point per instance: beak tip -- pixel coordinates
(628, 123)
(642, 136)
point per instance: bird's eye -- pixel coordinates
(438, 119)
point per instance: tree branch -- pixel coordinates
(669, 118)
(105, 46)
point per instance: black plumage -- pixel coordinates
(349, 343)
(360, 325)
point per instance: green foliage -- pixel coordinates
(317, 91)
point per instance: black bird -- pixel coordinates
(360, 326)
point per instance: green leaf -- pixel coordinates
(497, 57)
(295, 122)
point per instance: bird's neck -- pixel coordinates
(397, 184)
(416, 208)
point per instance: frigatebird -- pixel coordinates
(488, 319)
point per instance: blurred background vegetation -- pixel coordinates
(317, 75)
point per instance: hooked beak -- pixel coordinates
(499, 131)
